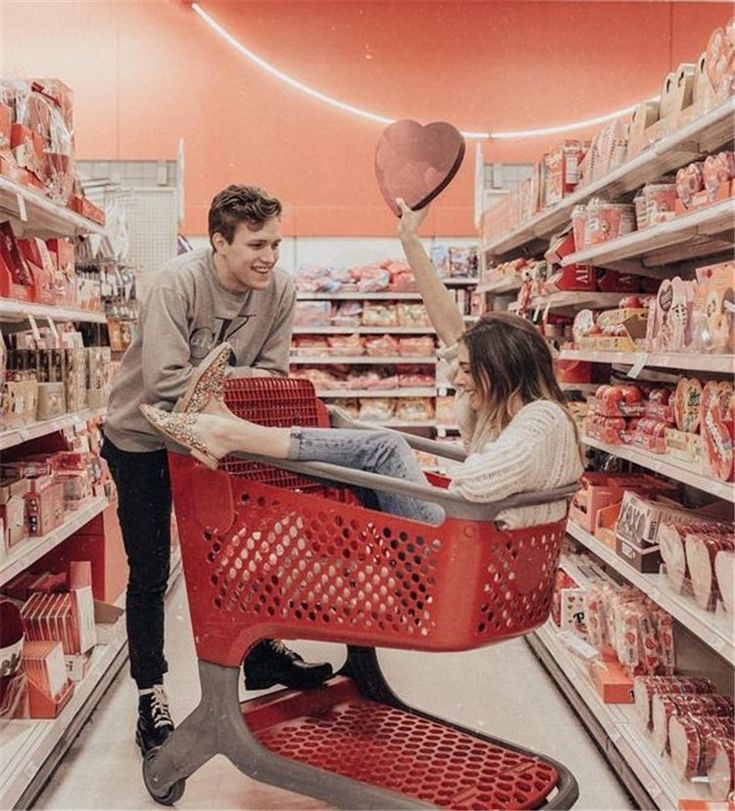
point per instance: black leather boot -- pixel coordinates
(154, 719)
(271, 662)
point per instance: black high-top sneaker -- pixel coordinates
(271, 662)
(154, 719)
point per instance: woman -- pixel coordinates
(513, 421)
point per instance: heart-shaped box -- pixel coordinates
(417, 162)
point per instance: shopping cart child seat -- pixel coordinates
(280, 549)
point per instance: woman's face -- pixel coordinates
(464, 380)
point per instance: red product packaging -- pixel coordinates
(646, 687)
(577, 277)
(701, 551)
(689, 182)
(717, 429)
(688, 740)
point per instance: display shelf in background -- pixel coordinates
(619, 724)
(351, 360)
(499, 287)
(11, 310)
(30, 549)
(15, 436)
(32, 212)
(357, 296)
(349, 393)
(666, 467)
(706, 134)
(572, 298)
(700, 362)
(32, 748)
(716, 630)
(363, 330)
(668, 242)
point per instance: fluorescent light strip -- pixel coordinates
(381, 119)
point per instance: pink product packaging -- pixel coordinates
(670, 325)
(689, 181)
(607, 221)
(579, 221)
(660, 200)
(717, 169)
(641, 213)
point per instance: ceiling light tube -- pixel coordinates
(381, 119)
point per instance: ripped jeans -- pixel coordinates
(372, 452)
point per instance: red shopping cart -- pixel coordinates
(283, 550)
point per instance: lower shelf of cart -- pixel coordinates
(335, 729)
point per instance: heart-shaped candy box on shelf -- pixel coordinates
(417, 162)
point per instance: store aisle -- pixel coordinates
(500, 690)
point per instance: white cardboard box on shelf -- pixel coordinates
(109, 621)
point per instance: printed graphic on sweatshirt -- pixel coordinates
(204, 339)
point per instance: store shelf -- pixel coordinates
(30, 550)
(347, 393)
(11, 310)
(38, 216)
(15, 436)
(699, 362)
(587, 388)
(716, 630)
(620, 726)
(667, 467)
(706, 134)
(307, 360)
(498, 287)
(363, 331)
(572, 298)
(687, 236)
(32, 748)
(357, 296)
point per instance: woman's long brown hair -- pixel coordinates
(508, 357)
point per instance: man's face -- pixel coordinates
(248, 261)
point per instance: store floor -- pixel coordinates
(501, 690)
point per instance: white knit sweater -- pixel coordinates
(537, 451)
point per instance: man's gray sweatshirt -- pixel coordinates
(187, 313)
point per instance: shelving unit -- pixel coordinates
(363, 360)
(343, 393)
(15, 436)
(363, 330)
(700, 233)
(718, 364)
(33, 748)
(29, 550)
(660, 463)
(11, 310)
(716, 630)
(661, 251)
(645, 774)
(706, 134)
(31, 211)
(498, 287)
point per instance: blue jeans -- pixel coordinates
(372, 452)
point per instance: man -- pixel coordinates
(231, 291)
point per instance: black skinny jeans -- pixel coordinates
(144, 511)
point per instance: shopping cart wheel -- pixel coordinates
(174, 793)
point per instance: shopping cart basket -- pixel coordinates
(276, 549)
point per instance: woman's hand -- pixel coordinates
(410, 221)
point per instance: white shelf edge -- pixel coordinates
(363, 330)
(16, 436)
(659, 464)
(711, 628)
(10, 309)
(349, 393)
(64, 222)
(572, 298)
(307, 360)
(543, 223)
(654, 238)
(500, 286)
(664, 360)
(619, 722)
(31, 549)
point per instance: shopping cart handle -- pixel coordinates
(454, 505)
(339, 419)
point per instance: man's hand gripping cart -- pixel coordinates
(278, 549)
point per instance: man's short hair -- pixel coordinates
(237, 204)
